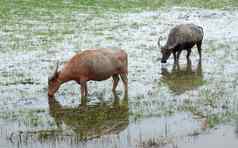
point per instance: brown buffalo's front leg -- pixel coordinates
(83, 86)
(86, 89)
(125, 82)
(115, 82)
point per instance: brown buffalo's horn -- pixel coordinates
(56, 69)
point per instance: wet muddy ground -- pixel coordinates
(185, 105)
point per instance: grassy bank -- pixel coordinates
(27, 7)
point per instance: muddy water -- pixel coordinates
(168, 105)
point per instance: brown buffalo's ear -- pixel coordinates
(55, 74)
(54, 77)
(56, 69)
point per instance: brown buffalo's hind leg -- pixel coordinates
(125, 82)
(86, 90)
(199, 44)
(115, 82)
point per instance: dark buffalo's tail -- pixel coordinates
(201, 29)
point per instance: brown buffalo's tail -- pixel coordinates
(126, 65)
(124, 61)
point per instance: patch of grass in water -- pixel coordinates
(156, 142)
(53, 33)
(213, 104)
(194, 108)
(215, 119)
(30, 118)
(16, 78)
(109, 37)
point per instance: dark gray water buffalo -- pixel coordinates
(92, 64)
(182, 37)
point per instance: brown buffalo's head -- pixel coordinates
(54, 82)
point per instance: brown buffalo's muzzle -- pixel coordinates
(50, 95)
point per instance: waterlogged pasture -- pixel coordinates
(185, 105)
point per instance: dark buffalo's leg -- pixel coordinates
(188, 53)
(174, 54)
(199, 44)
(178, 55)
(115, 82)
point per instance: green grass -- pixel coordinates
(23, 17)
(30, 7)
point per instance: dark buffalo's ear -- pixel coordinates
(163, 49)
(170, 49)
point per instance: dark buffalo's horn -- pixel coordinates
(160, 38)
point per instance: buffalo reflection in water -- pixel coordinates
(77, 124)
(182, 79)
(91, 121)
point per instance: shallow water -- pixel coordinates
(166, 104)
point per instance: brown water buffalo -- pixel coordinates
(182, 37)
(92, 64)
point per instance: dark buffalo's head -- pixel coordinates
(165, 54)
(165, 51)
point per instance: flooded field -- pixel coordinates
(173, 106)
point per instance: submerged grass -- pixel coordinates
(29, 118)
